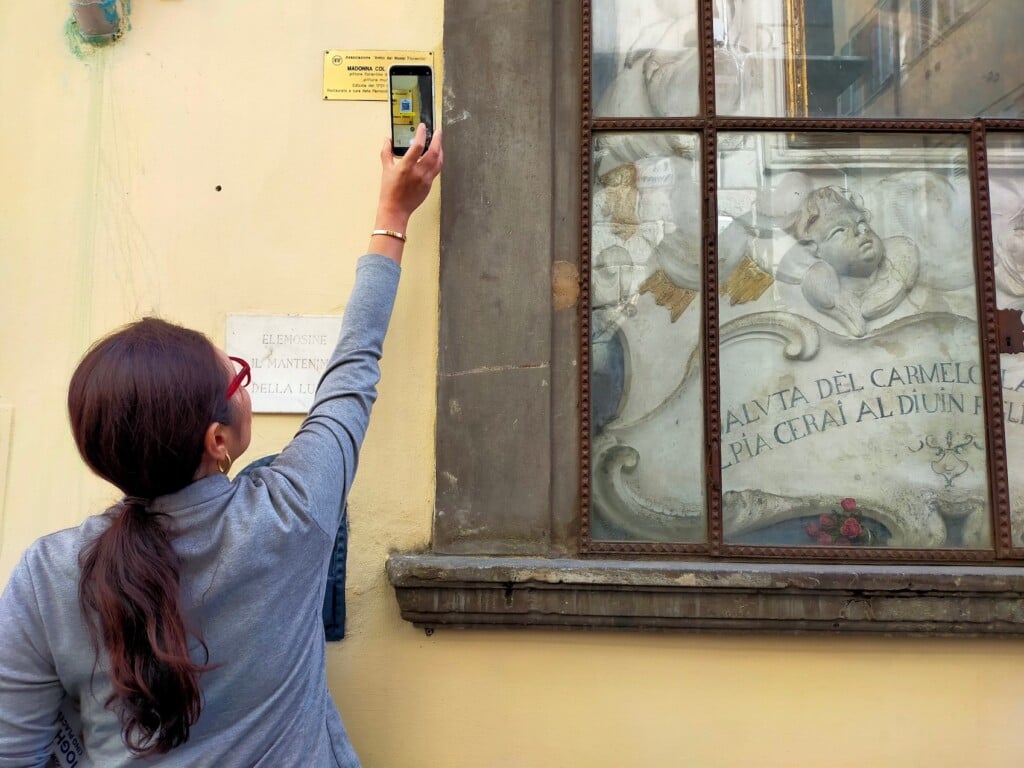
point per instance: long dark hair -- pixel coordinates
(140, 403)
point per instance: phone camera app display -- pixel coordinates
(411, 104)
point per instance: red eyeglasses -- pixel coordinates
(242, 378)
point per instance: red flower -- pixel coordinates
(824, 538)
(812, 530)
(848, 504)
(827, 522)
(851, 528)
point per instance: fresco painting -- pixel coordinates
(849, 352)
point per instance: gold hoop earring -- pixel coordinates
(224, 470)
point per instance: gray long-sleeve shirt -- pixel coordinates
(254, 562)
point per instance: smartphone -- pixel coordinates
(411, 92)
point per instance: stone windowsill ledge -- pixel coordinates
(482, 591)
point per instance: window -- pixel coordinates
(821, 347)
(871, 44)
(788, 324)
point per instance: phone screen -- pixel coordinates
(412, 102)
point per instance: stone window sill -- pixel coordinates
(478, 591)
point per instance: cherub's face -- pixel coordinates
(846, 242)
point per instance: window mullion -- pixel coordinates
(583, 304)
(709, 217)
(999, 493)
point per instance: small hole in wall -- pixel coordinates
(217, 187)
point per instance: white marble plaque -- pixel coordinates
(287, 353)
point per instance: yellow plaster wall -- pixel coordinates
(108, 210)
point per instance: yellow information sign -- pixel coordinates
(363, 75)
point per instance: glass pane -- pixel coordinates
(1006, 190)
(851, 383)
(646, 342)
(873, 58)
(645, 58)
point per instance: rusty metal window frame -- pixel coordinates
(707, 125)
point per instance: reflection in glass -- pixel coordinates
(872, 58)
(646, 350)
(851, 384)
(645, 58)
(1006, 192)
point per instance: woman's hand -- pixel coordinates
(405, 183)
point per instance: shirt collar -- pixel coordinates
(199, 492)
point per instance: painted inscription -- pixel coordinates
(788, 415)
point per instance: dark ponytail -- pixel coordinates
(140, 403)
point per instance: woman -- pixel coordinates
(185, 622)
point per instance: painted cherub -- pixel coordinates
(843, 268)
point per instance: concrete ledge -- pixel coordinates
(475, 591)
